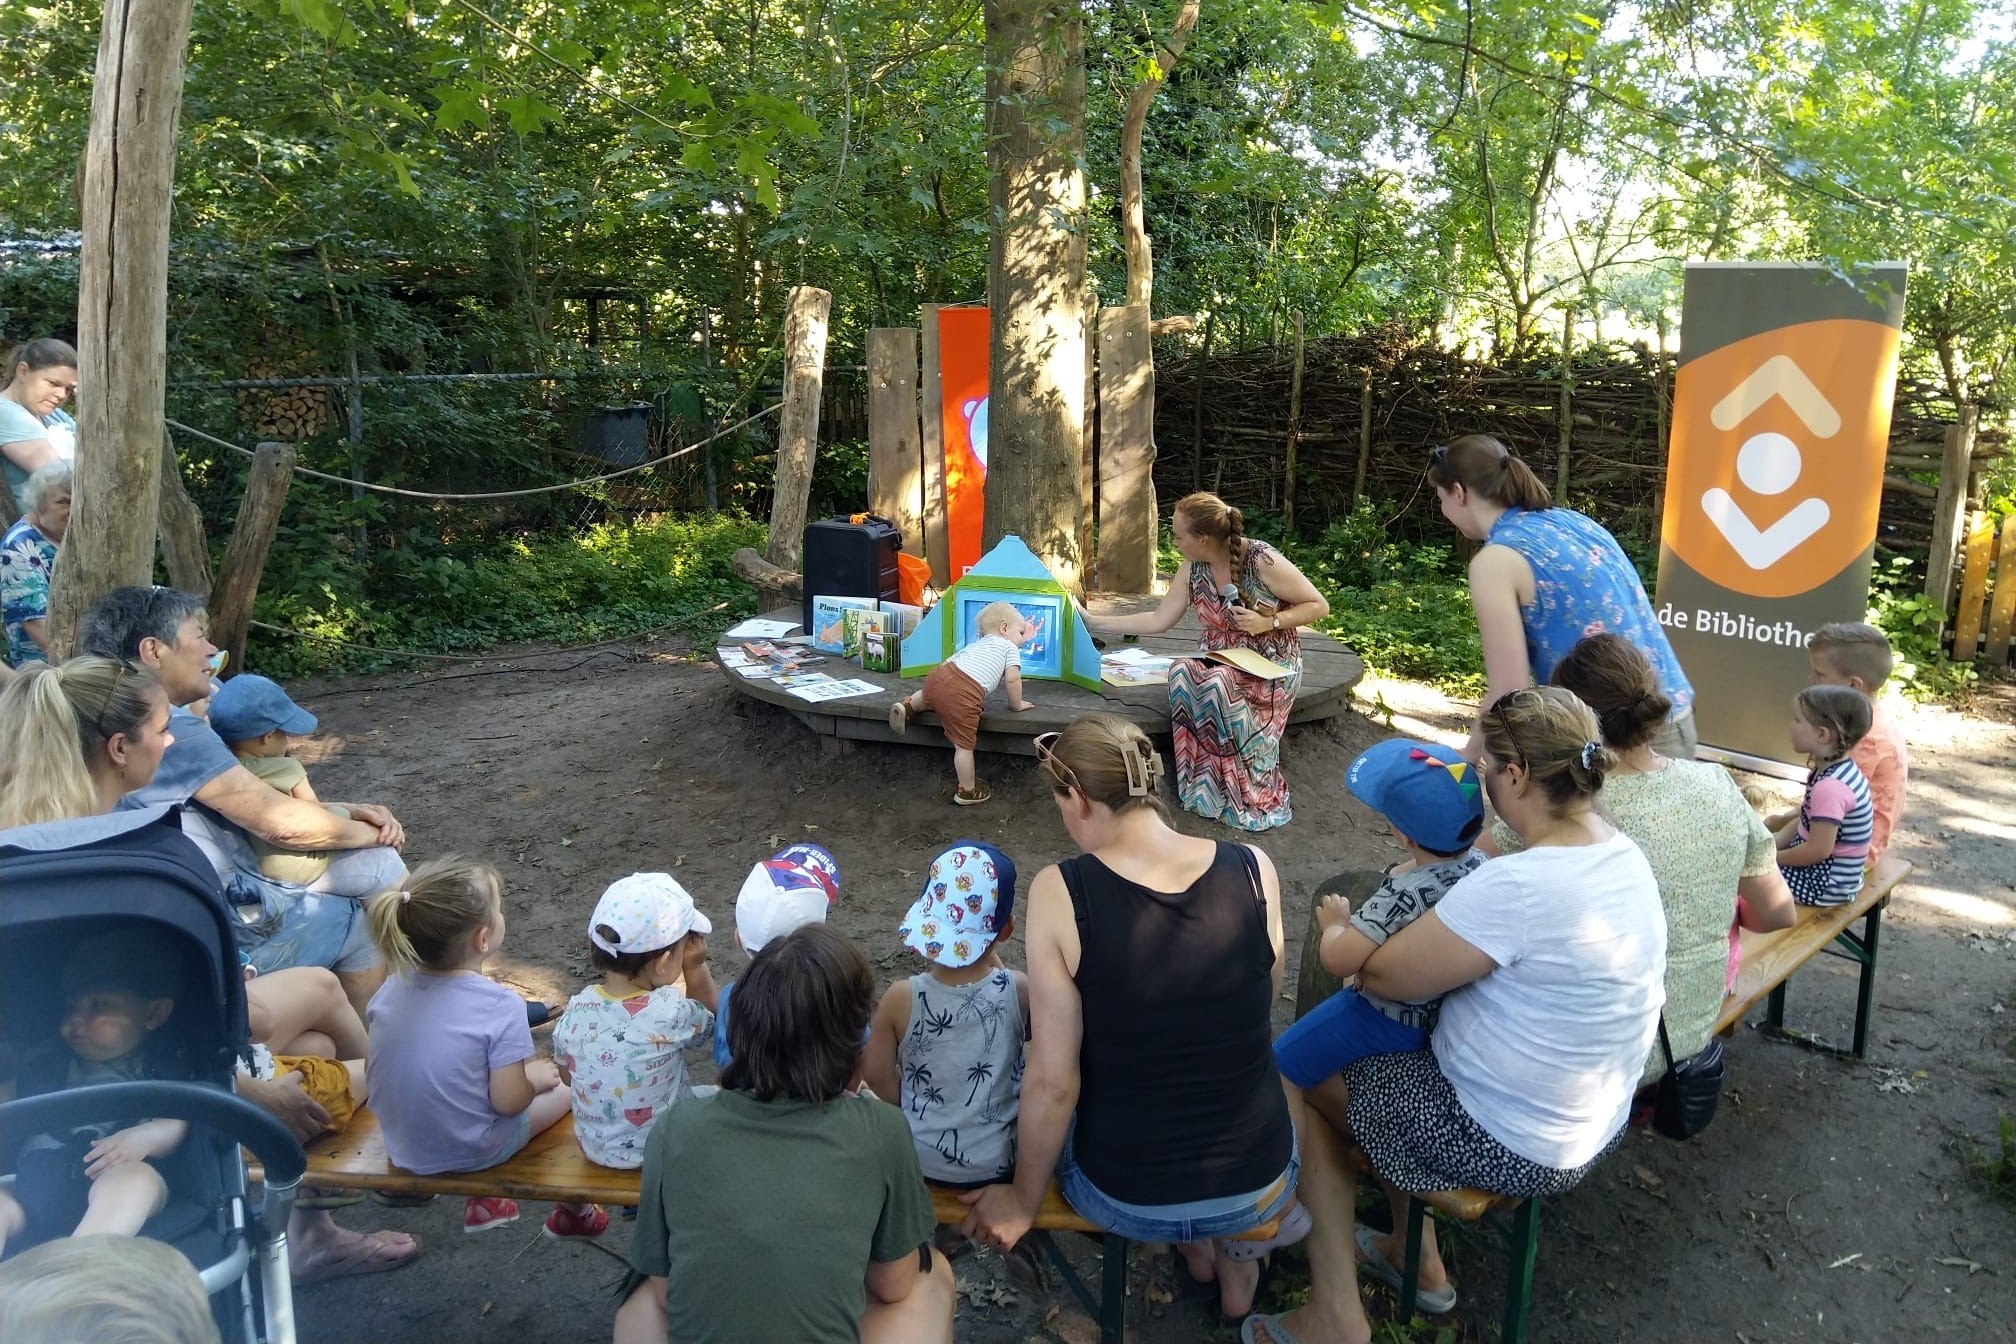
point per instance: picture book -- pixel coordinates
(1251, 663)
(856, 623)
(828, 689)
(829, 620)
(881, 651)
(903, 617)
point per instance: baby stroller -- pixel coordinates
(68, 880)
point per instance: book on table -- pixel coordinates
(1251, 663)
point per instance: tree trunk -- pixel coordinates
(798, 426)
(1133, 218)
(184, 550)
(1036, 279)
(245, 558)
(122, 302)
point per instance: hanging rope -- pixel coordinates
(489, 494)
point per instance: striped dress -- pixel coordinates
(1837, 792)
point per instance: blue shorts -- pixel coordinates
(1197, 1220)
(1336, 1034)
(292, 926)
(512, 1144)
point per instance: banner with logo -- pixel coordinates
(1781, 421)
(963, 351)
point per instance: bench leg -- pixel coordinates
(1066, 1272)
(1410, 1270)
(1113, 1290)
(1774, 1009)
(1865, 993)
(1519, 1273)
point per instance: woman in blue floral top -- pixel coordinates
(1545, 578)
(27, 555)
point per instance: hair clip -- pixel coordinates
(1144, 768)
(405, 896)
(1589, 750)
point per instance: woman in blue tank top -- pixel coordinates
(1544, 578)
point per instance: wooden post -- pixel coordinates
(2002, 606)
(895, 445)
(937, 550)
(1973, 587)
(798, 428)
(1294, 431)
(1950, 509)
(184, 549)
(1566, 409)
(1127, 515)
(1364, 439)
(245, 559)
(122, 306)
(1197, 407)
(1088, 466)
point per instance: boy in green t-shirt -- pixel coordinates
(259, 722)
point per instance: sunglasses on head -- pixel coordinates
(1062, 773)
(1518, 749)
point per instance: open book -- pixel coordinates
(1251, 663)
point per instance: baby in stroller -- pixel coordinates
(117, 992)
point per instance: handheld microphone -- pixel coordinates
(1230, 592)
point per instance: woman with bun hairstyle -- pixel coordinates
(1551, 961)
(1227, 724)
(1709, 850)
(35, 430)
(1544, 578)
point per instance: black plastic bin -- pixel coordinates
(619, 435)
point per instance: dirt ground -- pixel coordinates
(1830, 1201)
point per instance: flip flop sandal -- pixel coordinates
(366, 1255)
(1276, 1333)
(1437, 1302)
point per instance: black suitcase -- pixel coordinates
(844, 558)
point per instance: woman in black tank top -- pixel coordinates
(1154, 958)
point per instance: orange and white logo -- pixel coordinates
(1775, 473)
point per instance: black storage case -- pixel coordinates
(849, 559)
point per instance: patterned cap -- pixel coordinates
(1430, 793)
(968, 895)
(788, 890)
(648, 912)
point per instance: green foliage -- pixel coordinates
(610, 581)
(1994, 1163)
(1899, 608)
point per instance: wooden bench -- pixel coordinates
(553, 1168)
(1769, 959)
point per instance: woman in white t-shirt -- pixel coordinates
(1552, 961)
(34, 428)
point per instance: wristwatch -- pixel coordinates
(1277, 620)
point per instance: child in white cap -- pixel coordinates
(794, 887)
(946, 1044)
(620, 1044)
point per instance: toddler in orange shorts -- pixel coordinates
(957, 688)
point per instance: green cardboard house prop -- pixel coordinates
(1060, 650)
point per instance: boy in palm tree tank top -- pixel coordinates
(946, 1044)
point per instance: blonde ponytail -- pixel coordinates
(427, 920)
(55, 721)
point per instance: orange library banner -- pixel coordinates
(1781, 420)
(963, 341)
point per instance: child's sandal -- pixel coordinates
(979, 793)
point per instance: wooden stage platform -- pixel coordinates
(1329, 671)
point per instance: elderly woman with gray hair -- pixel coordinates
(27, 555)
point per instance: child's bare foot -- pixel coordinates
(899, 716)
(974, 796)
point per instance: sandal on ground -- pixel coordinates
(899, 716)
(1436, 1301)
(369, 1253)
(538, 1014)
(979, 793)
(1259, 1329)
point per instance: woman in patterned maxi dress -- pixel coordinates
(1227, 724)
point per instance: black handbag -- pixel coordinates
(1685, 1097)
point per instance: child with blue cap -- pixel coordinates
(946, 1044)
(259, 722)
(1433, 800)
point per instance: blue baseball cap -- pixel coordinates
(1430, 793)
(252, 706)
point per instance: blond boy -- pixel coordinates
(957, 689)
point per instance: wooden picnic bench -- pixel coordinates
(553, 1168)
(1769, 959)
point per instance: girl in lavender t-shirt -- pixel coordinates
(452, 1075)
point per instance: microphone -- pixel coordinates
(1230, 592)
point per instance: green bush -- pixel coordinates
(612, 580)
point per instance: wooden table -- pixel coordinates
(1329, 671)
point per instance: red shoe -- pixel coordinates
(482, 1213)
(583, 1223)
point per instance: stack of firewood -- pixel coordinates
(283, 415)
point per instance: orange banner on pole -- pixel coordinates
(963, 340)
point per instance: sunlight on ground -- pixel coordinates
(1958, 904)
